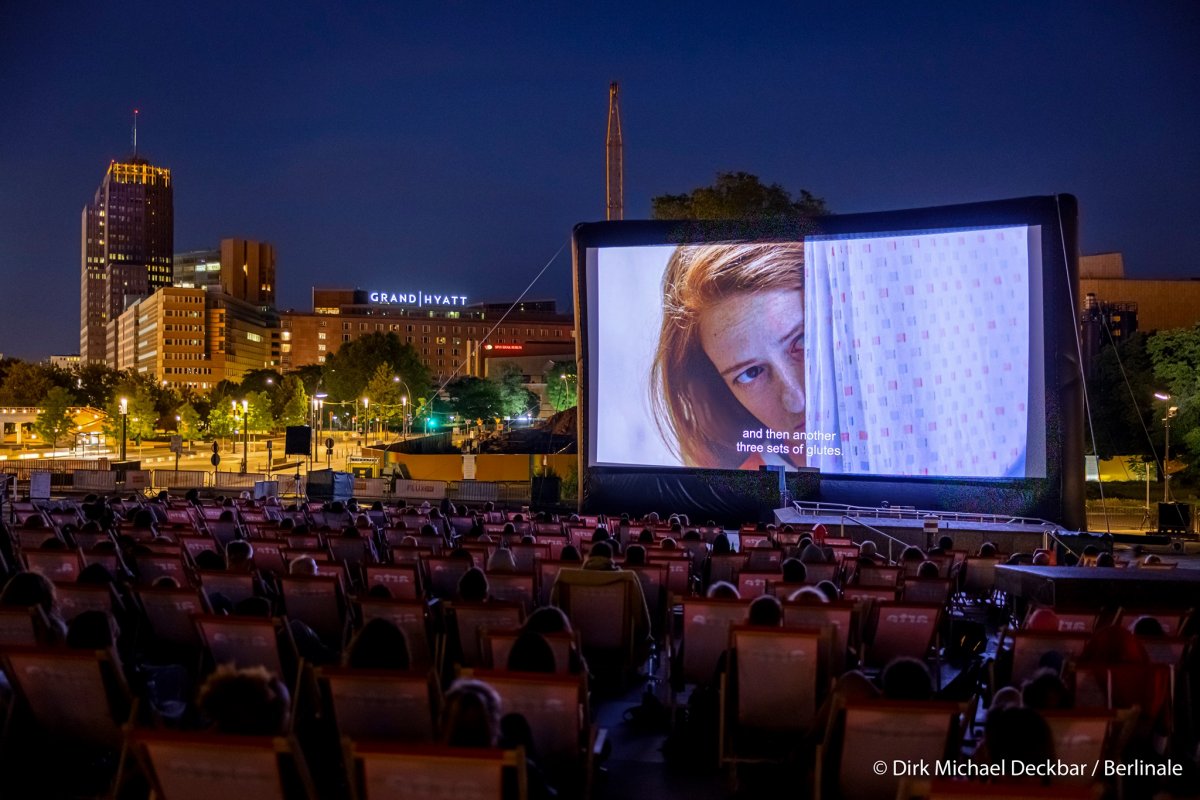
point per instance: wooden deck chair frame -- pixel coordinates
(167, 616)
(319, 602)
(514, 587)
(221, 636)
(204, 756)
(402, 580)
(410, 616)
(604, 618)
(383, 771)
(886, 726)
(782, 679)
(914, 616)
(705, 634)
(1027, 648)
(381, 705)
(467, 622)
(841, 617)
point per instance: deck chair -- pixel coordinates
(654, 589)
(1171, 619)
(901, 730)
(23, 627)
(840, 617)
(879, 577)
(151, 568)
(978, 577)
(233, 586)
(410, 616)
(1029, 647)
(815, 573)
(547, 572)
(391, 772)
(203, 766)
(725, 567)
(376, 704)
(679, 570)
(248, 642)
(268, 557)
(516, 588)
(1070, 621)
(902, 630)
(444, 573)
(925, 590)
(316, 600)
(869, 594)
(1080, 736)
(403, 581)
(169, 615)
(73, 696)
(775, 681)
(706, 624)
(470, 621)
(526, 556)
(608, 610)
(59, 566)
(76, 598)
(752, 584)
(495, 645)
(555, 706)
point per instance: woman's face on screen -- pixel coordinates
(756, 342)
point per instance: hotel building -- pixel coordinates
(451, 336)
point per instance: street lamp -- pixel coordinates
(245, 431)
(366, 419)
(1169, 412)
(124, 421)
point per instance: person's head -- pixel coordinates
(808, 596)
(912, 554)
(868, 549)
(723, 590)
(248, 701)
(379, 645)
(1046, 691)
(27, 589)
(92, 630)
(209, 560)
(473, 586)
(1041, 559)
(239, 556)
(721, 544)
(987, 550)
(501, 560)
(766, 612)
(645, 536)
(928, 569)
(531, 653)
(547, 619)
(303, 565)
(599, 556)
(1148, 626)
(570, 553)
(945, 543)
(1015, 733)
(730, 353)
(906, 679)
(471, 715)
(829, 589)
(1105, 560)
(635, 555)
(794, 570)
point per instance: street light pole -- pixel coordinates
(1168, 412)
(366, 419)
(124, 420)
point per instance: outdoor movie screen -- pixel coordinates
(899, 353)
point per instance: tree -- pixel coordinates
(221, 423)
(189, 421)
(515, 399)
(387, 395)
(54, 421)
(1176, 358)
(259, 416)
(295, 406)
(25, 384)
(95, 384)
(738, 195)
(1122, 413)
(348, 371)
(310, 376)
(260, 380)
(141, 414)
(562, 384)
(475, 398)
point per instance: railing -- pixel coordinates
(890, 539)
(910, 512)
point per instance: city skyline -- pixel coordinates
(382, 148)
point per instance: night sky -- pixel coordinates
(452, 146)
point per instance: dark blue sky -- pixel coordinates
(453, 145)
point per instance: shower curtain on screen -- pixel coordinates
(917, 353)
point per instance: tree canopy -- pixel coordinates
(348, 371)
(737, 195)
(562, 383)
(55, 420)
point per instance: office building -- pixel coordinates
(197, 269)
(128, 237)
(1154, 304)
(242, 268)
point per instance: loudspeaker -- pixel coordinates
(1174, 518)
(297, 441)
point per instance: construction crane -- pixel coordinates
(615, 157)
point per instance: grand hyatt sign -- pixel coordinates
(419, 299)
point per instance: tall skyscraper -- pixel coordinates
(128, 241)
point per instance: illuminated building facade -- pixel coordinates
(451, 336)
(242, 268)
(128, 237)
(195, 337)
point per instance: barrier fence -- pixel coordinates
(100, 481)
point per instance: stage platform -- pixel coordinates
(1093, 587)
(897, 528)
